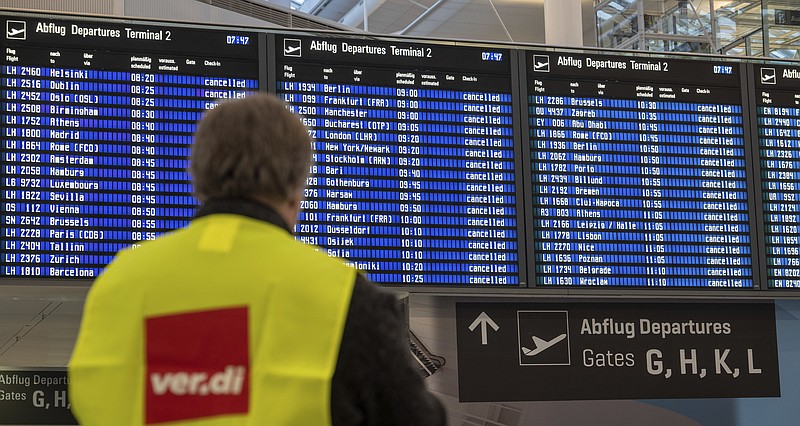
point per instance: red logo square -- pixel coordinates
(198, 365)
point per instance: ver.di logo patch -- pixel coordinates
(197, 365)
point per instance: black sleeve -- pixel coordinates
(374, 382)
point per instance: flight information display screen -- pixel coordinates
(777, 99)
(414, 175)
(98, 118)
(639, 172)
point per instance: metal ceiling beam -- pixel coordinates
(421, 17)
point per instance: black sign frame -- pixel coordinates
(518, 351)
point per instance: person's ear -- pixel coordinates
(293, 206)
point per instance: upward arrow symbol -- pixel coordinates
(483, 320)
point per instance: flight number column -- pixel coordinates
(24, 197)
(779, 155)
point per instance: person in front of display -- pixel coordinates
(232, 321)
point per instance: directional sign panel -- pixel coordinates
(34, 397)
(583, 351)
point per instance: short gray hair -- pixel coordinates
(250, 147)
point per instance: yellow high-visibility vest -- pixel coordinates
(229, 321)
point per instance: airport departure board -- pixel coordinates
(414, 177)
(436, 163)
(98, 118)
(639, 172)
(777, 99)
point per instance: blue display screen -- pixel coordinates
(778, 111)
(414, 177)
(638, 179)
(96, 139)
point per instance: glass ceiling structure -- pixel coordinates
(733, 27)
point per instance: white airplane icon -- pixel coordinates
(15, 31)
(541, 344)
(291, 49)
(540, 65)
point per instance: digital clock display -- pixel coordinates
(492, 56)
(238, 39)
(723, 69)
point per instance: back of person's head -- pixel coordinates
(250, 148)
